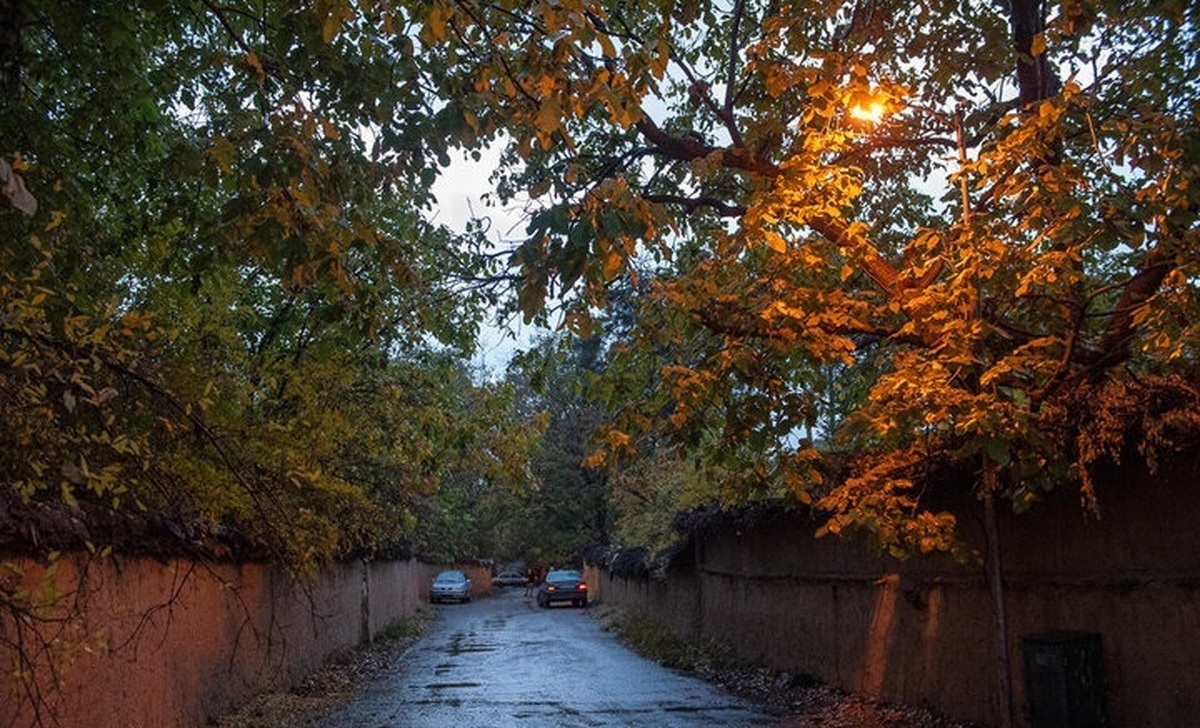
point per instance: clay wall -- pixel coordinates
(922, 631)
(176, 643)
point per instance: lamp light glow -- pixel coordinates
(871, 113)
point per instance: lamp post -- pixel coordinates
(873, 112)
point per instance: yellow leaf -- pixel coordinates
(612, 265)
(606, 46)
(437, 24)
(775, 241)
(330, 131)
(252, 59)
(596, 460)
(545, 85)
(658, 63)
(1038, 46)
(548, 118)
(329, 31)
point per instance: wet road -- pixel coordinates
(502, 661)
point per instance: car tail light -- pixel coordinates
(551, 587)
(583, 586)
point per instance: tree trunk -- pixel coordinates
(12, 17)
(995, 577)
(1114, 347)
(1036, 79)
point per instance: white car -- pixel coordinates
(509, 578)
(450, 585)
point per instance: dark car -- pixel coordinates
(562, 585)
(508, 578)
(450, 585)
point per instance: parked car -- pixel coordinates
(508, 578)
(562, 585)
(450, 585)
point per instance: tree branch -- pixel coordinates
(1114, 347)
(837, 231)
(720, 322)
(689, 204)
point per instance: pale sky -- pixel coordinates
(460, 194)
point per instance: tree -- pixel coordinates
(565, 510)
(226, 329)
(991, 289)
(998, 307)
(226, 304)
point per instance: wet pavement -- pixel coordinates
(502, 661)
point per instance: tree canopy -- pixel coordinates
(220, 299)
(225, 323)
(998, 271)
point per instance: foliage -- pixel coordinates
(226, 328)
(560, 505)
(402, 629)
(226, 315)
(658, 642)
(563, 508)
(1020, 228)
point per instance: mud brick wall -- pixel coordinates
(922, 631)
(177, 643)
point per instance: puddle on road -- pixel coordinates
(452, 685)
(471, 648)
(458, 646)
(548, 708)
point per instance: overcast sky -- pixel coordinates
(460, 192)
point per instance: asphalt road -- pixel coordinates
(502, 661)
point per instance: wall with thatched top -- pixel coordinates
(142, 642)
(922, 631)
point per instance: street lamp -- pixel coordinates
(872, 111)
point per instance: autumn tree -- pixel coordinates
(565, 509)
(984, 212)
(226, 328)
(983, 215)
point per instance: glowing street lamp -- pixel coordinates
(872, 111)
